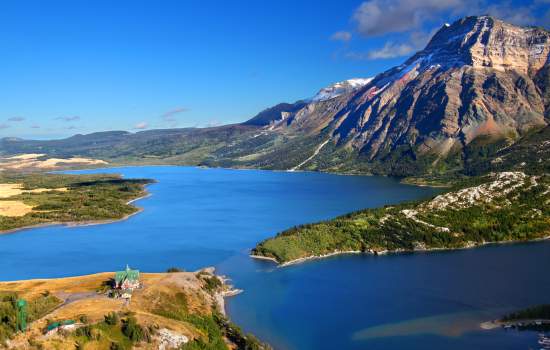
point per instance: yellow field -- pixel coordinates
(33, 161)
(18, 208)
(14, 208)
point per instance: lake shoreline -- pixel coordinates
(490, 325)
(387, 252)
(114, 165)
(81, 223)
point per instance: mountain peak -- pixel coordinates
(485, 41)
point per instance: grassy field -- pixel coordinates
(34, 199)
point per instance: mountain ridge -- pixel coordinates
(479, 85)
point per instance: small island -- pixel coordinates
(499, 207)
(121, 310)
(36, 199)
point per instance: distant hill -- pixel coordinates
(479, 90)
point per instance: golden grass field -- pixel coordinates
(37, 161)
(15, 207)
(81, 296)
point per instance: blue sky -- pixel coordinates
(80, 66)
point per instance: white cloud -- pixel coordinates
(380, 17)
(16, 119)
(416, 41)
(4, 126)
(391, 50)
(341, 36)
(141, 125)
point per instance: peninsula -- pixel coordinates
(499, 207)
(158, 311)
(36, 199)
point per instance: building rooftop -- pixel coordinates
(127, 274)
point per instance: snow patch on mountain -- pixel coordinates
(340, 88)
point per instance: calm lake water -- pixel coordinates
(212, 217)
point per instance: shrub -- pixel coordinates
(115, 346)
(85, 332)
(213, 283)
(132, 330)
(174, 269)
(111, 319)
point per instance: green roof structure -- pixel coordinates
(128, 274)
(58, 324)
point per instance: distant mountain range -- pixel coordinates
(477, 93)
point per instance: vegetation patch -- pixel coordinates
(38, 307)
(497, 208)
(535, 318)
(83, 198)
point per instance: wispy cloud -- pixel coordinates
(416, 41)
(141, 126)
(389, 50)
(68, 119)
(4, 126)
(342, 35)
(170, 115)
(35, 126)
(16, 119)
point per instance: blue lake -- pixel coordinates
(212, 217)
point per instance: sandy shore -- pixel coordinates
(260, 257)
(304, 259)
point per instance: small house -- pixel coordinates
(127, 280)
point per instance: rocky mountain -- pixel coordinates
(479, 81)
(480, 86)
